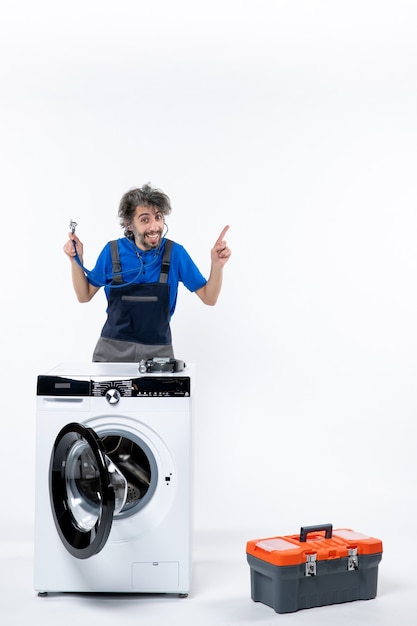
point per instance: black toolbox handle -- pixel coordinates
(328, 528)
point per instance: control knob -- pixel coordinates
(113, 395)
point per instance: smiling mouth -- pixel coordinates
(153, 238)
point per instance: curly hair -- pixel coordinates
(141, 196)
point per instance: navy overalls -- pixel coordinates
(137, 325)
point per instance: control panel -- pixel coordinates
(140, 387)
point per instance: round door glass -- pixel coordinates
(83, 485)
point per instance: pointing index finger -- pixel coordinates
(222, 234)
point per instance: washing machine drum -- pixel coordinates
(87, 490)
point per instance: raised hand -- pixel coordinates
(220, 252)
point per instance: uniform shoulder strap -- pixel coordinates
(163, 276)
(115, 259)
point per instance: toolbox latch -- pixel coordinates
(353, 562)
(311, 564)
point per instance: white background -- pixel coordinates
(294, 122)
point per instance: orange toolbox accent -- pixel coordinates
(316, 567)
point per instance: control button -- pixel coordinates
(113, 396)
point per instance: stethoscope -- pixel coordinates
(105, 283)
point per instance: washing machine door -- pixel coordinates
(84, 490)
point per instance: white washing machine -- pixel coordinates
(113, 480)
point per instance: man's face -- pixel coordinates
(147, 227)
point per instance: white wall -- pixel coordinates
(294, 122)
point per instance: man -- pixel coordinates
(140, 273)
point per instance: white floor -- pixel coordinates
(220, 593)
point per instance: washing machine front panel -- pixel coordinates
(153, 428)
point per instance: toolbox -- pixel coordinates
(319, 566)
